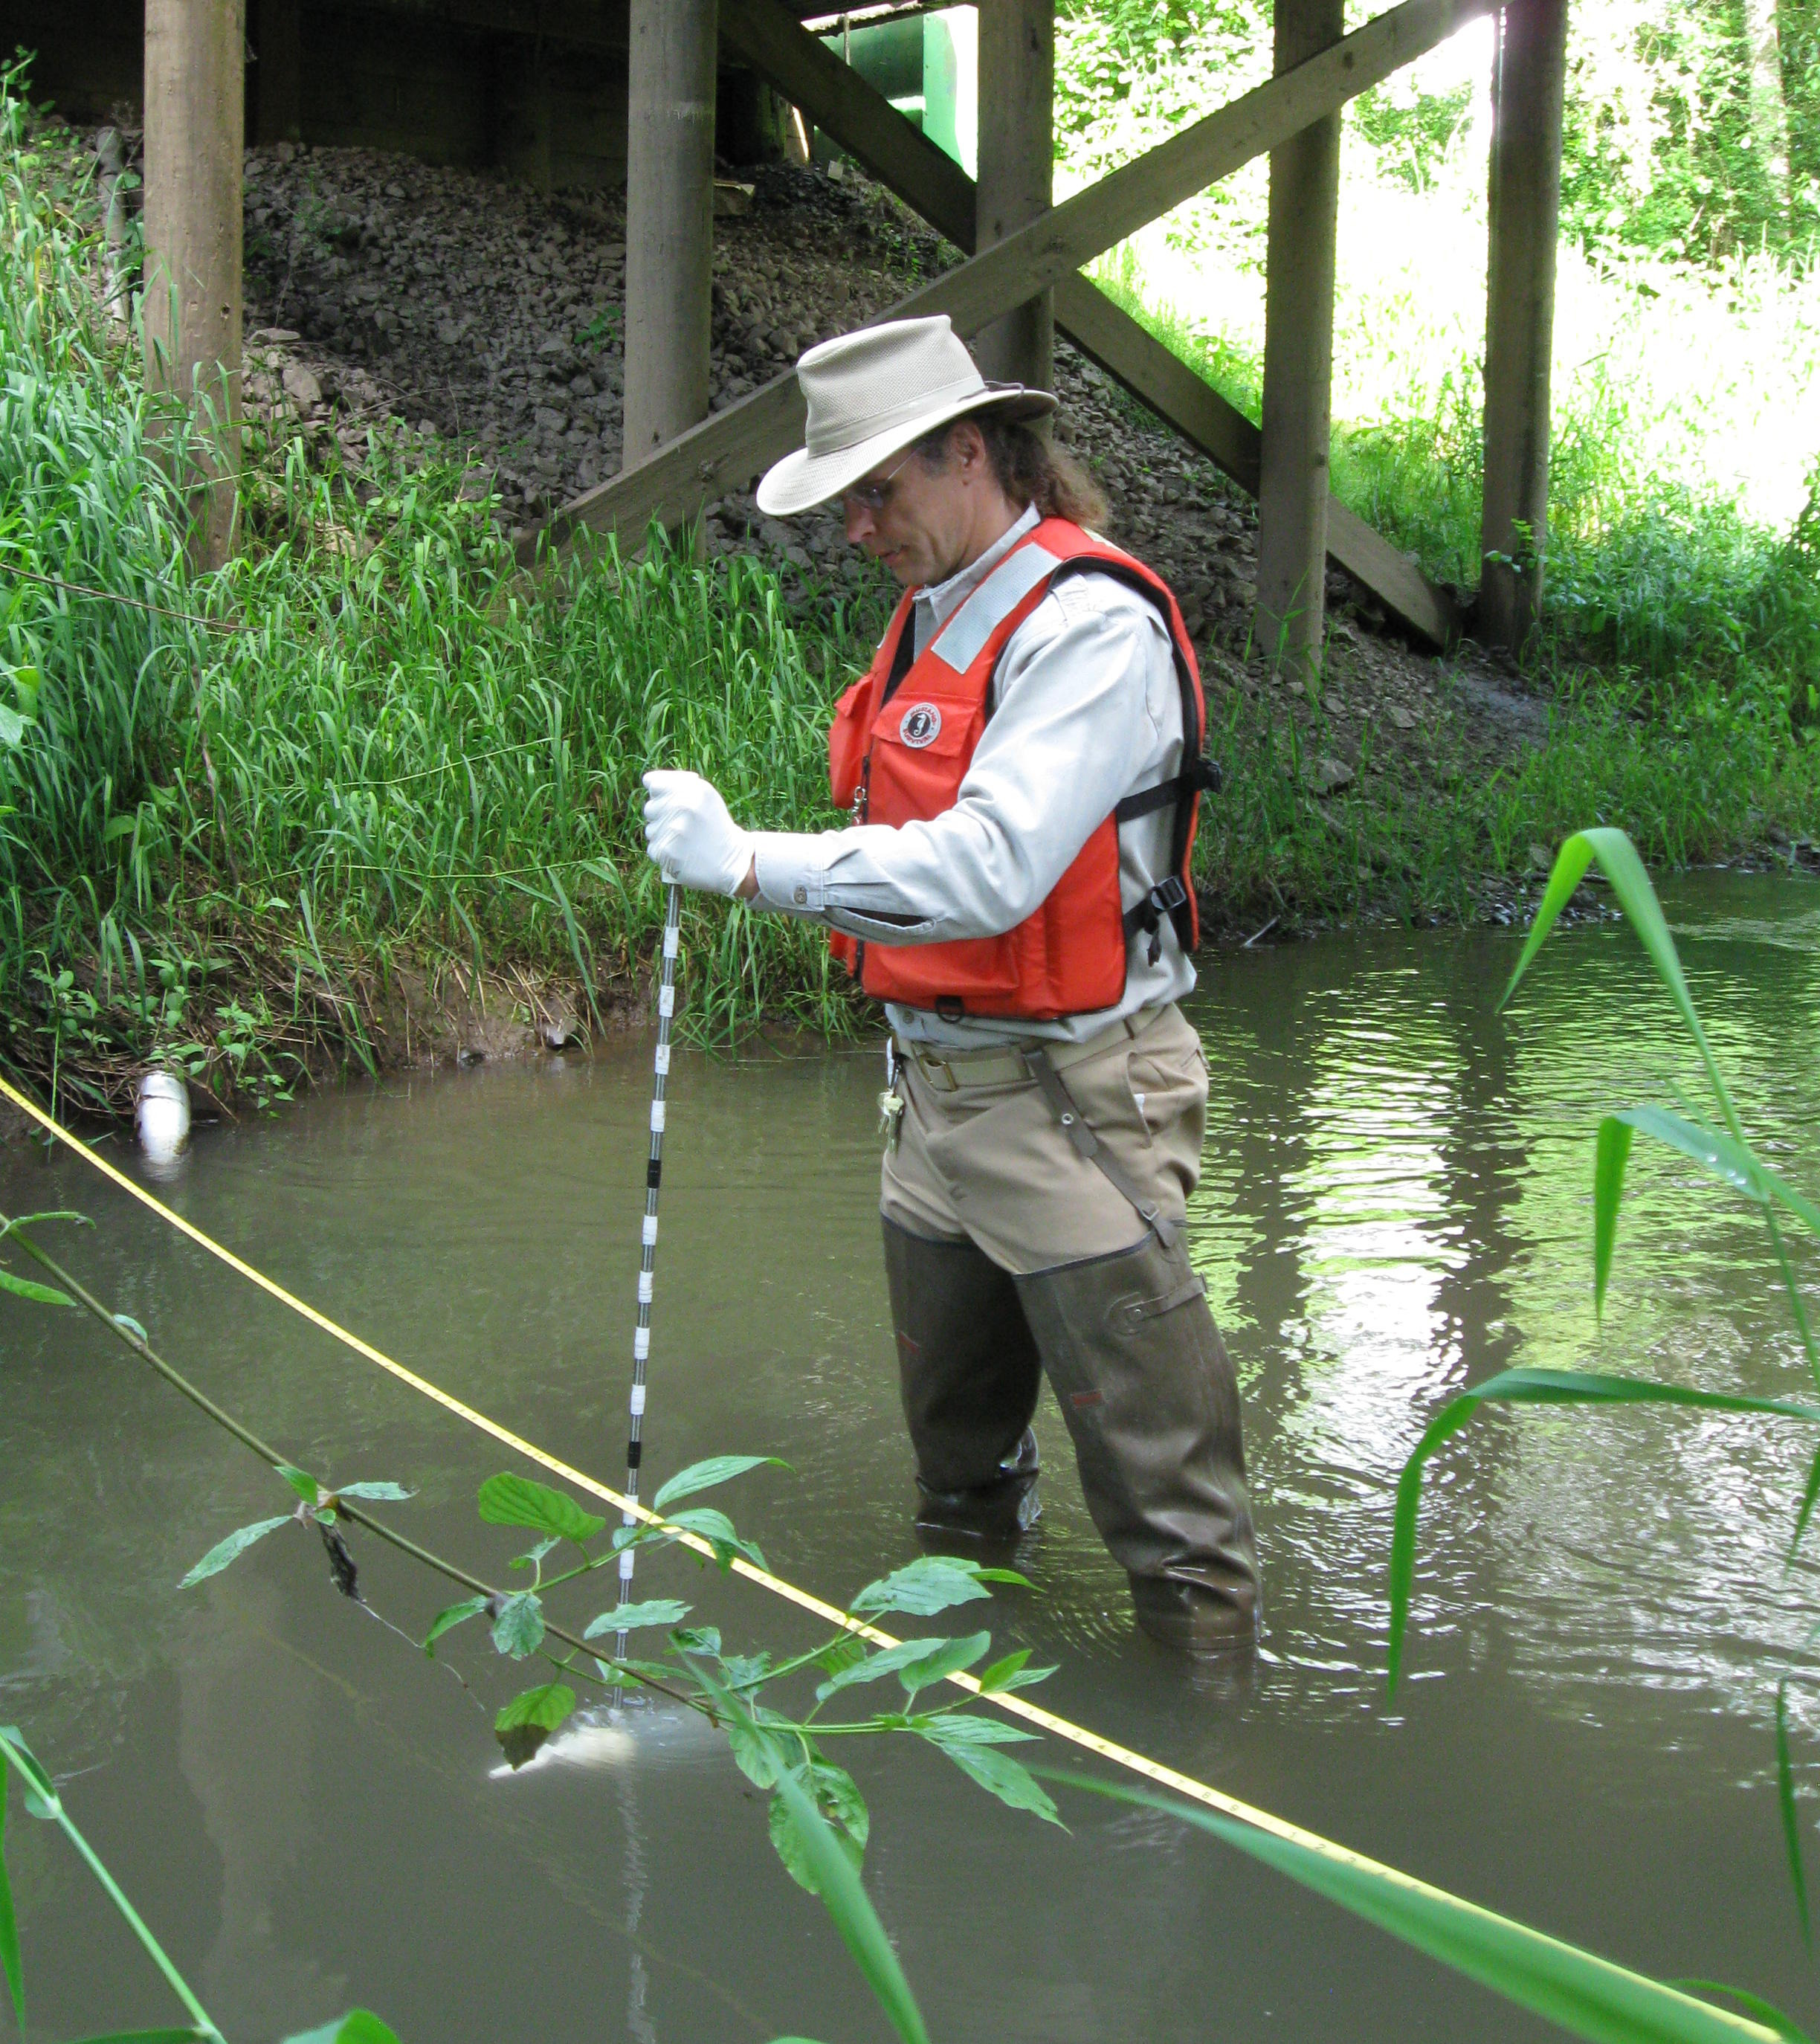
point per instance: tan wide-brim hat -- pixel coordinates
(872, 393)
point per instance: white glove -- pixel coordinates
(689, 833)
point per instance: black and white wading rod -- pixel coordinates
(648, 1257)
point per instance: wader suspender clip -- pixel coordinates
(1038, 1063)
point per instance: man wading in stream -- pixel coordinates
(1014, 887)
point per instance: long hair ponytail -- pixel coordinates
(1029, 469)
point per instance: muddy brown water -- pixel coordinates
(1396, 1202)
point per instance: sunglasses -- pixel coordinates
(873, 497)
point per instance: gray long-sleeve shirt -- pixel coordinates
(1087, 710)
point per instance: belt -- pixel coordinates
(950, 1071)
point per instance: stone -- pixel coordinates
(1401, 715)
(301, 387)
(1328, 775)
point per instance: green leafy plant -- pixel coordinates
(770, 1742)
(1723, 1153)
(774, 1730)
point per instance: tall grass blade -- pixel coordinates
(847, 1902)
(1729, 1160)
(1765, 2012)
(147, 2037)
(9, 1962)
(1534, 1387)
(837, 1882)
(583, 969)
(1809, 1497)
(1616, 1135)
(1586, 1996)
(1617, 859)
(1791, 1816)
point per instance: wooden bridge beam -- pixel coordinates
(869, 129)
(726, 452)
(1289, 622)
(1017, 171)
(1164, 382)
(1525, 219)
(195, 119)
(670, 222)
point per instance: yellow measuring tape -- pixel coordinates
(1124, 1757)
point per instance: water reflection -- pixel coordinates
(1397, 1203)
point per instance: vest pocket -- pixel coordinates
(846, 740)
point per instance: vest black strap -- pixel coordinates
(1199, 774)
(1203, 775)
(903, 657)
(1168, 897)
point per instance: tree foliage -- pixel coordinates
(1692, 127)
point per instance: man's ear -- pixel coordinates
(967, 444)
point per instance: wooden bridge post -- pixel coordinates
(1524, 217)
(670, 221)
(195, 108)
(1290, 617)
(1017, 163)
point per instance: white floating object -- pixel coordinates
(577, 1745)
(163, 1116)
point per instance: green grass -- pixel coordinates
(1689, 784)
(367, 742)
(369, 746)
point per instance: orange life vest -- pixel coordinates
(903, 738)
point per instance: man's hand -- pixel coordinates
(688, 832)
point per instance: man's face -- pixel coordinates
(923, 528)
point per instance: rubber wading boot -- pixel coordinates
(1150, 1397)
(969, 1373)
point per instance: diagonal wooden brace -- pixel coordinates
(726, 452)
(895, 151)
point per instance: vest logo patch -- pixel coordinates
(922, 725)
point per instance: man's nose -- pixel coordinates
(859, 525)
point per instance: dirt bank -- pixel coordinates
(490, 317)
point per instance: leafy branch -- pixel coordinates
(770, 1742)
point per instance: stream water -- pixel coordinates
(1396, 1202)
